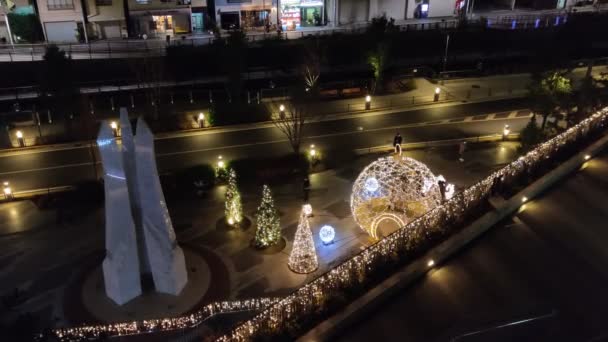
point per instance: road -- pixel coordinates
(543, 272)
(42, 168)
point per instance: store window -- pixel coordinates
(161, 23)
(302, 13)
(250, 19)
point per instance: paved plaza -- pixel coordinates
(40, 248)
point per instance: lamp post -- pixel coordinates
(445, 55)
(114, 127)
(220, 162)
(201, 120)
(437, 92)
(368, 102)
(282, 111)
(8, 192)
(20, 139)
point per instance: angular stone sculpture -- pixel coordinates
(121, 270)
(139, 234)
(128, 156)
(166, 258)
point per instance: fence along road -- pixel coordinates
(130, 48)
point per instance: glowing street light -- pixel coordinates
(114, 127)
(587, 157)
(368, 102)
(430, 263)
(8, 192)
(20, 139)
(505, 132)
(437, 92)
(201, 120)
(220, 162)
(524, 199)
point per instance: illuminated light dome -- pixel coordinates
(391, 192)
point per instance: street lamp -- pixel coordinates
(8, 192)
(201, 120)
(437, 92)
(220, 162)
(430, 263)
(587, 157)
(20, 139)
(368, 102)
(505, 132)
(114, 127)
(282, 111)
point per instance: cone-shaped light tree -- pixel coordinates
(268, 231)
(303, 258)
(234, 210)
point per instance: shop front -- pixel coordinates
(161, 23)
(302, 13)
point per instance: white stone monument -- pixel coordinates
(121, 271)
(139, 233)
(166, 258)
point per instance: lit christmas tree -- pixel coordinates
(303, 258)
(234, 210)
(268, 232)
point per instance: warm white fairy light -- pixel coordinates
(233, 207)
(277, 313)
(303, 257)
(397, 188)
(352, 272)
(94, 332)
(268, 230)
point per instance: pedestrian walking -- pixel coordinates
(442, 185)
(461, 148)
(306, 188)
(397, 143)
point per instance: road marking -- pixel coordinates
(406, 126)
(158, 155)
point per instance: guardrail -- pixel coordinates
(157, 47)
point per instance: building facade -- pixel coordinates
(81, 20)
(161, 18)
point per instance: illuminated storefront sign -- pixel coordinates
(298, 13)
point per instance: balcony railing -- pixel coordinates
(55, 7)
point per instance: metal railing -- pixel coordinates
(131, 48)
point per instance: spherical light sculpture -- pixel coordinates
(396, 189)
(327, 234)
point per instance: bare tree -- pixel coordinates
(310, 69)
(293, 118)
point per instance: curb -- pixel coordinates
(413, 271)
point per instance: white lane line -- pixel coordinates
(433, 123)
(46, 168)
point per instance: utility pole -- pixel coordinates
(445, 55)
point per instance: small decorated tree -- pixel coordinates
(268, 231)
(234, 210)
(303, 258)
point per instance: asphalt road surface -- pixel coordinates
(540, 276)
(41, 169)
